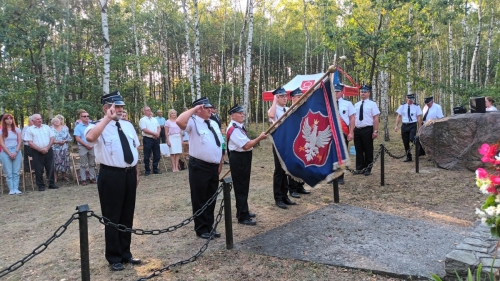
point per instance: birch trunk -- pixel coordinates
(306, 34)
(476, 45)
(222, 57)
(408, 54)
(488, 52)
(197, 49)
(440, 76)
(450, 61)
(165, 71)
(188, 44)
(107, 46)
(258, 83)
(180, 77)
(248, 67)
(137, 58)
(45, 77)
(54, 74)
(462, 54)
(384, 101)
(239, 65)
(232, 61)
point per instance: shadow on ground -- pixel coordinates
(353, 237)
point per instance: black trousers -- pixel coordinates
(363, 142)
(408, 133)
(280, 181)
(241, 167)
(117, 191)
(151, 145)
(40, 162)
(347, 145)
(203, 182)
(293, 185)
(163, 137)
(26, 154)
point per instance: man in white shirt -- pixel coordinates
(431, 111)
(40, 139)
(411, 116)
(366, 130)
(150, 140)
(280, 181)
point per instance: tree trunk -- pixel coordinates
(188, 44)
(107, 46)
(475, 54)
(45, 76)
(306, 34)
(137, 58)
(450, 61)
(248, 68)
(240, 53)
(223, 52)
(488, 52)
(384, 101)
(197, 49)
(408, 54)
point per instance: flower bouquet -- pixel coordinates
(488, 181)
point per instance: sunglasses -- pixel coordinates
(85, 116)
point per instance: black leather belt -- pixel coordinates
(234, 151)
(194, 159)
(118, 169)
(410, 123)
(363, 127)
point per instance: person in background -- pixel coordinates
(205, 163)
(174, 139)
(61, 148)
(40, 139)
(27, 149)
(431, 111)
(215, 117)
(150, 140)
(410, 115)
(161, 121)
(79, 120)
(366, 123)
(348, 115)
(489, 104)
(85, 150)
(61, 118)
(11, 156)
(124, 116)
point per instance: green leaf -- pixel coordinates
(490, 201)
(436, 278)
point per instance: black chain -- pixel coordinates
(200, 251)
(38, 250)
(172, 228)
(402, 156)
(369, 167)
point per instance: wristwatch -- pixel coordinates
(375, 131)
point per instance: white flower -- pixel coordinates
(491, 211)
(480, 213)
(483, 221)
(497, 198)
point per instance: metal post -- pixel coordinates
(336, 197)
(227, 212)
(417, 153)
(84, 241)
(382, 176)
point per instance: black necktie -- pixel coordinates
(127, 153)
(361, 111)
(284, 110)
(425, 115)
(409, 115)
(213, 132)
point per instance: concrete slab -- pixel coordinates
(353, 237)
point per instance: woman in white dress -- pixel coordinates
(174, 139)
(489, 104)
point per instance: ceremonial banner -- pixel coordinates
(309, 139)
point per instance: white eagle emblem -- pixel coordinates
(314, 139)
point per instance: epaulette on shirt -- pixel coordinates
(95, 122)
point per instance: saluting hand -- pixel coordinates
(111, 112)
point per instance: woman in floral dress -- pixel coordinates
(61, 148)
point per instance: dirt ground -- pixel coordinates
(28, 220)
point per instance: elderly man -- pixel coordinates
(205, 163)
(115, 142)
(411, 116)
(161, 121)
(150, 140)
(40, 139)
(240, 148)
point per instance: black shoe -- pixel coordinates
(367, 173)
(225, 162)
(359, 172)
(247, 222)
(280, 204)
(287, 201)
(41, 189)
(205, 235)
(217, 235)
(340, 180)
(146, 174)
(157, 173)
(53, 187)
(407, 160)
(302, 190)
(294, 194)
(252, 215)
(117, 266)
(132, 261)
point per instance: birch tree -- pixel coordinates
(137, 58)
(197, 48)
(408, 54)
(45, 76)
(188, 44)
(488, 52)
(473, 63)
(107, 47)
(384, 101)
(248, 68)
(306, 35)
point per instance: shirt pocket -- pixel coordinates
(112, 145)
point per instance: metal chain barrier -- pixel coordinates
(412, 145)
(138, 231)
(200, 251)
(369, 167)
(38, 250)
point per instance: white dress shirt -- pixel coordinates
(435, 112)
(202, 144)
(108, 147)
(415, 111)
(40, 136)
(346, 109)
(370, 110)
(149, 123)
(238, 138)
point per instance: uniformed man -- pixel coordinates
(366, 129)
(280, 181)
(115, 143)
(240, 148)
(348, 115)
(296, 187)
(431, 111)
(411, 116)
(205, 162)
